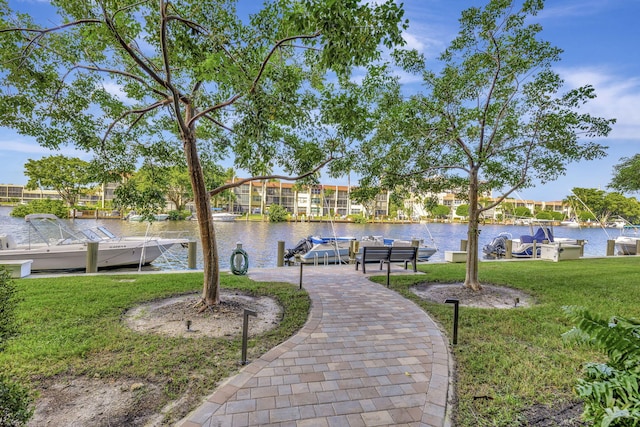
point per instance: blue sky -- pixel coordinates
(599, 39)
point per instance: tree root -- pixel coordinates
(203, 306)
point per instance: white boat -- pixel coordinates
(424, 251)
(617, 222)
(332, 250)
(138, 218)
(58, 247)
(571, 223)
(627, 242)
(224, 216)
(321, 250)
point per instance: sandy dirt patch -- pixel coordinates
(96, 402)
(489, 297)
(170, 316)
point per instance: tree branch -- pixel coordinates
(43, 31)
(164, 50)
(218, 123)
(140, 112)
(133, 54)
(268, 177)
(124, 74)
(256, 80)
(429, 169)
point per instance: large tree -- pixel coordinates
(626, 174)
(491, 117)
(70, 177)
(595, 204)
(251, 89)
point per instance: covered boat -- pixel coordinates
(497, 247)
(523, 247)
(321, 250)
(332, 250)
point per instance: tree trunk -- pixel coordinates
(473, 232)
(211, 286)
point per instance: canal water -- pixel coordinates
(260, 239)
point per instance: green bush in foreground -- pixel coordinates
(8, 303)
(611, 391)
(15, 401)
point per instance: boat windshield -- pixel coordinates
(53, 231)
(50, 230)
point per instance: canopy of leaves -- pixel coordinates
(69, 176)
(440, 211)
(626, 174)
(492, 117)
(595, 204)
(494, 113)
(194, 77)
(127, 78)
(522, 212)
(462, 210)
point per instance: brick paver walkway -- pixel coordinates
(365, 357)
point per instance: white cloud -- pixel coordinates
(568, 9)
(115, 89)
(21, 145)
(617, 97)
(412, 42)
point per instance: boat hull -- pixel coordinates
(328, 255)
(626, 245)
(224, 217)
(424, 252)
(156, 217)
(74, 256)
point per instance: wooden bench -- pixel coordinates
(373, 254)
(406, 254)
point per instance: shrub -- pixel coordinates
(15, 403)
(15, 400)
(8, 303)
(358, 219)
(277, 213)
(610, 391)
(179, 215)
(56, 207)
(544, 215)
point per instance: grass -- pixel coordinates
(509, 360)
(71, 326)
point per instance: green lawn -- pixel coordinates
(71, 326)
(508, 360)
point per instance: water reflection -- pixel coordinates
(260, 239)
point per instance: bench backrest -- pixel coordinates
(375, 253)
(403, 253)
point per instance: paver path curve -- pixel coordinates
(365, 357)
